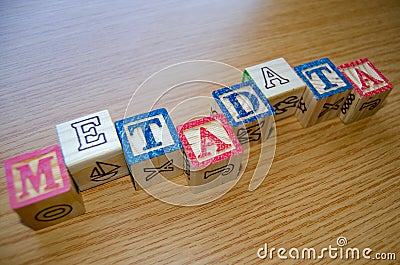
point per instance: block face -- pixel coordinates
(370, 90)
(151, 146)
(200, 136)
(213, 175)
(366, 79)
(246, 108)
(91, 148)
(153, 133)
(312, 111)
(212, 151)
(285, 105)
(40, 189)
(27, 173)
(279, 83)
(323, 78)
(357, 107)
(242, 103)
(327, 89)
(253, 132)
(158, 169)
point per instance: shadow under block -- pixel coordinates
(247, 111)
(370, 90)
(327, 89)
(40, 189)
(91, 149)
(151, 146)
(279, 83)
(212, 152)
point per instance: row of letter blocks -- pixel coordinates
(319, 91)
(94, 150)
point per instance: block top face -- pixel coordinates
(366, 79)
(274, 77)
(36, 176)
(208, 140)
(147, 135)
(242, 103)
(85, 138)
(323, 78)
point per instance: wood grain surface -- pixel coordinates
(65, 59)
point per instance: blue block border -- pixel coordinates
(298, 69)
(217, 93)
(130, 157)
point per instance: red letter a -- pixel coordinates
(208, 139)
(364, 78)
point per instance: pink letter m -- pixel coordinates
(44, 167)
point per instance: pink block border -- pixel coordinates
(10, 180)
(359, 91)
(188, 149)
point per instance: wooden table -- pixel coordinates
(63, 60)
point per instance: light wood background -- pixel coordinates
(65, 59)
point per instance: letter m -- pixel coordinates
(43, 168)
(354, 252)
(309, 252)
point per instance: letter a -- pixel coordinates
(270, 76)
(208, 139)
(364, 78)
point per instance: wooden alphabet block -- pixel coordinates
(279, 83)
(213, 152)
(151, 146)
(91, 149)
(327, 89)
(370, 90)
(40, 189)
(247, 110)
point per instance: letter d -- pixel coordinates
(265, 250)
(239, 108)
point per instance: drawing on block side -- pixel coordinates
(53, 213)
(327, 107)
(286, 104)
(302, 105)
(250, 134)
(224, 170)
(103, 171)
(168, 166)
(371, 104)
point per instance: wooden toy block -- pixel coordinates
(91, 149)
(212, 151)
(279, 83)
(247, 110)
(151, 146)
(327, 89)
(40, 189)
(370, 90)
